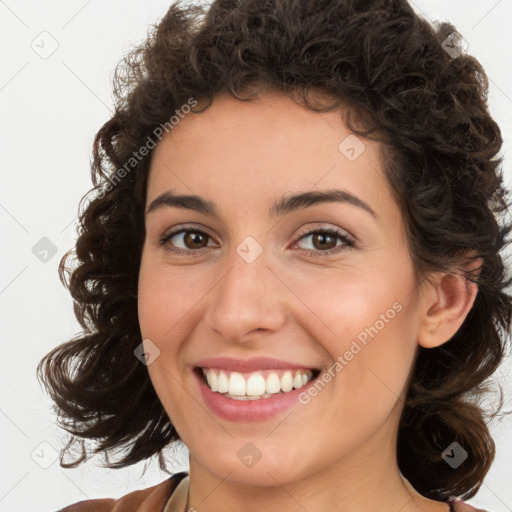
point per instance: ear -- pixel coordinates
(447, 300)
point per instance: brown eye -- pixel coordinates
(194, 239)
(185, 240)
(325, 241)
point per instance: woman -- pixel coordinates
(291, 262)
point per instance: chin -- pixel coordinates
(244, 464)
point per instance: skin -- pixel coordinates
(338, 452)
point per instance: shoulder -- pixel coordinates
(460, 506)
(144, 500)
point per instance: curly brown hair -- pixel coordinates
(390, 71)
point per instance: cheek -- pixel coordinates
(367, 324)
(167, 298)
(160, 309)
(169, 304)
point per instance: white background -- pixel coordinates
(50, 110)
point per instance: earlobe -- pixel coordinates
(447, 302)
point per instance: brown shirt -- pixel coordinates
(171, 496)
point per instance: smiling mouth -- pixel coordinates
(255, 385)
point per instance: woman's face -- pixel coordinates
(256, 275)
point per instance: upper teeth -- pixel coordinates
(256, 383)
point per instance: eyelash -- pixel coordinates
(349, 243)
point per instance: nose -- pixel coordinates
(248, 298)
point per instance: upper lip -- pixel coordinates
(250, 365)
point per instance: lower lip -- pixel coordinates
(248, 410)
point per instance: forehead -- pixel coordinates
(259, 150)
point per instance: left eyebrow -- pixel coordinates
(281, 207)
(306, 199)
